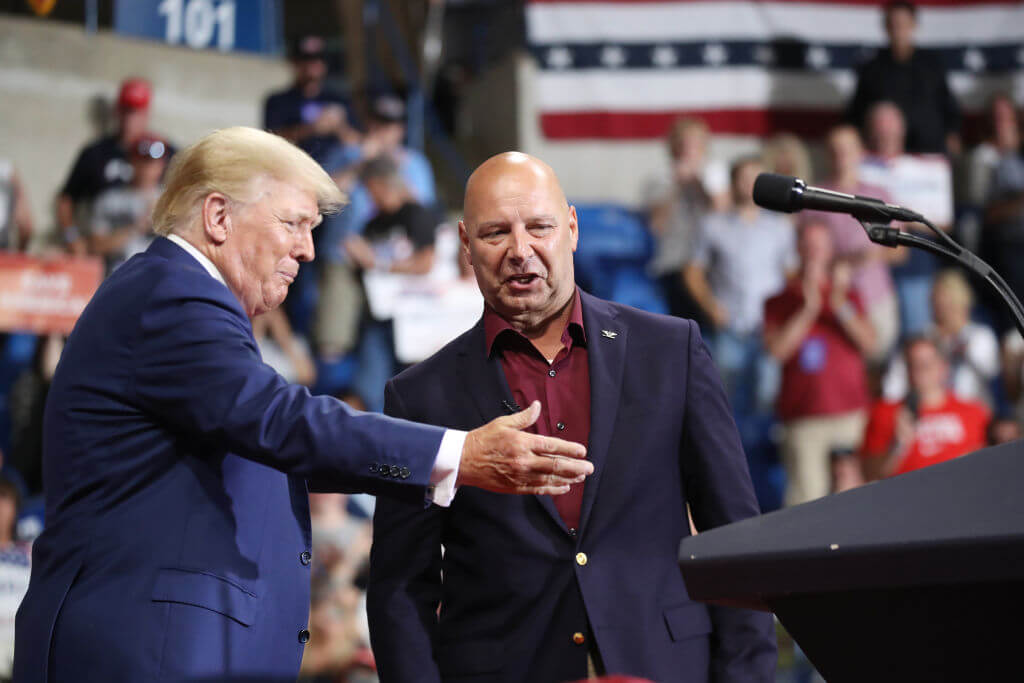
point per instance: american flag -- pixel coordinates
(617, 69)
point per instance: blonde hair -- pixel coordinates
(957, 285)
(683, 125)
(227, 161)
(787, 144)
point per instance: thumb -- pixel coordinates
(524, 418)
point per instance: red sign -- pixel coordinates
(45, 295)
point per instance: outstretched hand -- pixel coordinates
(500, 457)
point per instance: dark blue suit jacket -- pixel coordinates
(175, 467)
(513, 592)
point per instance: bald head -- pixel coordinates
(505, 174)
(519, 234)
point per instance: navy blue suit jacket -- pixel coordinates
(176, 467)
(514, 592)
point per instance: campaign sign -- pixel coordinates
(45, 295)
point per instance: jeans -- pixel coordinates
(751, 377)
(377, 364)
(914, 293)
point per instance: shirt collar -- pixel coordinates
(495, 325)
(206, 263)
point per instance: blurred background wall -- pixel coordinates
(57, 83)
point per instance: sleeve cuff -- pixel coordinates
(446, 468)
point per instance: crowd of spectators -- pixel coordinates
(873, 361)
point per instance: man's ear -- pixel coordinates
(574, 228)
(216, 217)
(464, 239)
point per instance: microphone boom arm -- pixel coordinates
(881, 233)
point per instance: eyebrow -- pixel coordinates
(316, 219)
(548, 218)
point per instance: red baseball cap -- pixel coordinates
(135, 94)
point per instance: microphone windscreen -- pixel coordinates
(775, 192)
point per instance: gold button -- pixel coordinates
(578, 638)
(581, 559)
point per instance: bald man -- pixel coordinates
(557, 588)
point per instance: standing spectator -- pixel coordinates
(309, 113)
(385, 134)
(786, 154)
(15, 212)
(871, 277)
(121, 223)
(385, 137)
(741, 259)
(817, 330)
(1004, 209)
(923, 183)
(929, 426)
(103, 163)
(915, 81)
(970, 347)
(14, 574)
(677, 209)
(1002, 140)
(398, 240)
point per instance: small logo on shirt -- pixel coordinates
(609, 334)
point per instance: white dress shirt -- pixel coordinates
(446, 465)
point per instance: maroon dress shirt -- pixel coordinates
(562, 387)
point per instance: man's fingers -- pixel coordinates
(560, 470)
(544, 490)
(522, 419)
(549, 445)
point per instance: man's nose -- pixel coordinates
(304, 250)
(521, 249)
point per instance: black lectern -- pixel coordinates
(915, 578)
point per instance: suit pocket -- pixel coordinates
(687, 621)
(209, 591)
(458, 659)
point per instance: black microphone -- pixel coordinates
(788, 194)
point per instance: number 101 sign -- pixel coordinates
(197, 21)
(249, 25)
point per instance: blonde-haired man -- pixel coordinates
(176, 463)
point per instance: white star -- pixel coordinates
(715, 54)
(664, 56)
(613, 56)
(818, 57)
(559, 58)
(974, 59)
(764, 54)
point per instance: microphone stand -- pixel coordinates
(884, 234)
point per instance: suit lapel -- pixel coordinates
(606, 353)
(483, 376)
(485, 382)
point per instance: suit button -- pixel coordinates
(581, 559)
(374, 468)
(560, 426)
(303, 636)
(406, 473)
(578, 638)
(572, 532)
(551, 373)
(305, 557)
(385, 471)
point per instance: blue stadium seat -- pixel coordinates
(615, 246)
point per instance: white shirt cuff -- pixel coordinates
(446, 468)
